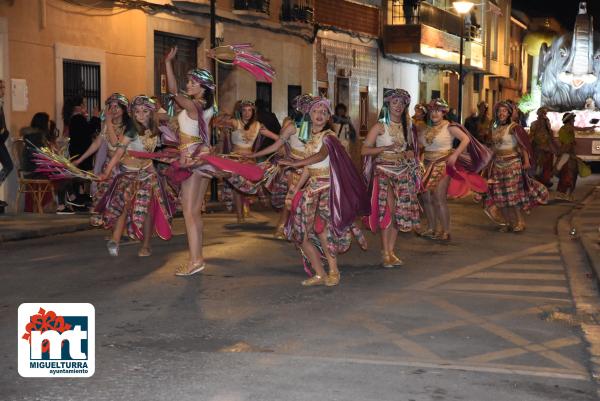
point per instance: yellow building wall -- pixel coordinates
(33, 31)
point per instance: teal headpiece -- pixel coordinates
(203, 77)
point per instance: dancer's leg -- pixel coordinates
(314, 257)
(238, 201)
(119, 227)
(441, 201)
(148, 231)
(331, 259)
(430, 210)
(192, 198)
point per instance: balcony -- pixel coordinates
(252, 8)
(429, 34)
(297, 12)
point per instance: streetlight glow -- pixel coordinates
(462, 7)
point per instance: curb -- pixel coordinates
(44, 232)
(20, 235)
(582, 263)
(589, 240)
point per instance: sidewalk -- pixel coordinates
(14, 227)
(586, 223)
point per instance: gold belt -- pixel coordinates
(242, 149)
(434, 155)
(506, 152)
(134, 163)
(405, 155)
(297, 153)
(319, 172)
(186, 140)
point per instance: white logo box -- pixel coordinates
(78, 363)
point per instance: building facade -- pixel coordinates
(347, 50)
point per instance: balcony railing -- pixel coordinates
(298, 11)
(409, 12)
(255, 6)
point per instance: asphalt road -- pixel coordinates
(472, 320)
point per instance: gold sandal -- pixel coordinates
(145, 252)
(332, 279)
(183, 270)
(314, 280)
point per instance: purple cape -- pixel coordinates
(476, 156)
(348, 196)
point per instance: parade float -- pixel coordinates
(569, 78)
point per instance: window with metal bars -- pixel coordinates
(297, 11)
(82, 78)
(261, 6)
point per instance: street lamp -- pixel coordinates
(462, 8)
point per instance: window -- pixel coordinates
(82, 79)
(261, 6)
(185, 61)
(476, 82)
(263, 92)
(293, 91)
(494, 37)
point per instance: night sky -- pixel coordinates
(563, 10)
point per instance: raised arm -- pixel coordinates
(185, 102)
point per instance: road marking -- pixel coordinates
(436, 328)
(519, 276)
(543, 257)
(516, 351)
(504, 333)
(464, 271)
(523, 297)
(504, 287)
(535, 371)
(388, 334)
(526, 266)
